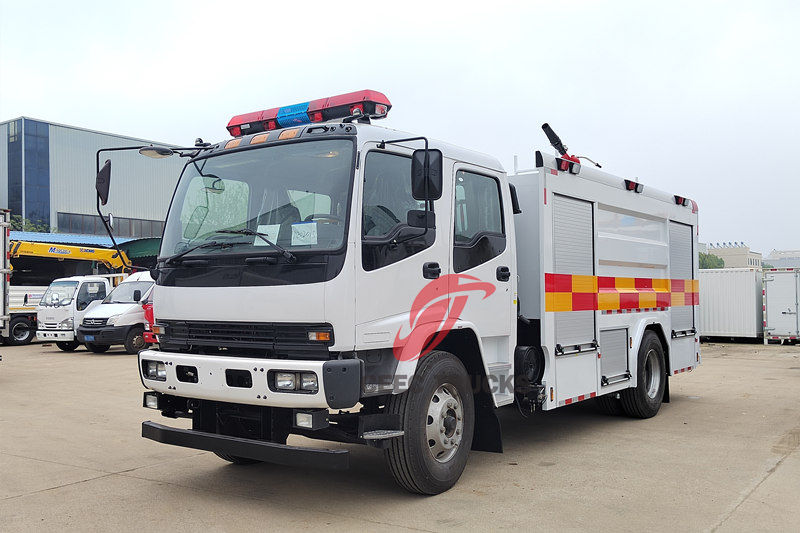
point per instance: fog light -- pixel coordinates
(285, 380)
(154, 370)
(304, 420)
(151, 400)
(308, 381)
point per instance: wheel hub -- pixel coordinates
(445, 424)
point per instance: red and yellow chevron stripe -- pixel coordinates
(572, 292)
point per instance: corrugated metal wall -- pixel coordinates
(140, 187)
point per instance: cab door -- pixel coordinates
(400, 270)
(88, 292)
(484, 280)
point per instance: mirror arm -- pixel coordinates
(382, 145)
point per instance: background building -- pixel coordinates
(47, 174)
(736, 254)
(784, 258)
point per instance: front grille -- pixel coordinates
(272, 339)
(95, 322)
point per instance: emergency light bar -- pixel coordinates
(371, 104)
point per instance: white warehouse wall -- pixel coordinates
(141, 187)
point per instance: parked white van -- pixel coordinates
(120, 318)
(63, 306)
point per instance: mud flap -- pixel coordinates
(488, 435)
(665, 399)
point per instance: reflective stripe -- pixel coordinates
(572, 292)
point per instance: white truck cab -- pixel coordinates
(119, 319)
(63, 306)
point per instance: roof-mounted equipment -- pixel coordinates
(359, 105)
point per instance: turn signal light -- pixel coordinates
(323, 336)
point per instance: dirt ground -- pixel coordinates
(723, 455)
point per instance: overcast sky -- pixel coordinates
(695, 98)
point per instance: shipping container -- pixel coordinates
(731, 303)
(781, 297)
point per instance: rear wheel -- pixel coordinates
(20, 331)
(438, 417)
(67, 346)
(134, 341)
(235, 459)
(644, 401)
(97, 348)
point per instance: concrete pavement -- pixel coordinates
(723, 455)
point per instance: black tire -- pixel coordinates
(644, 401)
(20, 332)
(68, 346)
(134, 341)
(235, 459)
(97, 348)
(610, 404)
(411, 457)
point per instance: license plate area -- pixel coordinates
(89, 338)
(239, 378)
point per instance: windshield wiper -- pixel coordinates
(263, 236)
(208, 244)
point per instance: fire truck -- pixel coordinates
(325, 277)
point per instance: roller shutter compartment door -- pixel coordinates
(573, 250)
(681, 267)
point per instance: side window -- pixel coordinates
(88, 293)
(387, 200)
(478, 232)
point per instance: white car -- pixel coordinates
(63, 306)
(120, 318)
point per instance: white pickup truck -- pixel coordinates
(63, 306)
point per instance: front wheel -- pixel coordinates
(644, 401)
(68, 346)
(438, 416)
(97, 348)
(20, 331)
(134, 341)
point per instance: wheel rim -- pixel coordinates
(652, 373)
(20, 332)
(444, 427)
(138, 342)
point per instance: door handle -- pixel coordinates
(503, 273)
(431, 270)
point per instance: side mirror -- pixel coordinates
(433, 176)
(418, 218)
(103, 182)
(137, 295)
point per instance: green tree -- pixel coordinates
(711, 261)
(23, 224)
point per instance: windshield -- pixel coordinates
(59, 293)
(123, 294)
(296, 195)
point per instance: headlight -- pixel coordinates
(67, 323)
(308, 381)
(154, 370)
(285, 380)
(112, 320)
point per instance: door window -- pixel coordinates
(478, 231)
(89, 292)
(387, 200)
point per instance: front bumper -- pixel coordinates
(105, 335)
(270, 452)
(150, 337)
(340, 381)
(57, 335)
